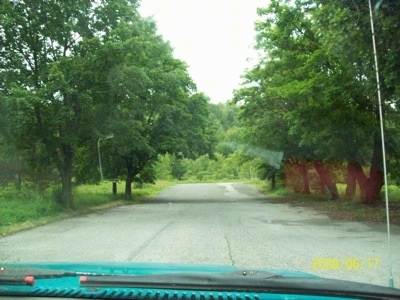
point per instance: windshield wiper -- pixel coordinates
(27, 276)
(246, 281)
(237, 281)
(191, 281)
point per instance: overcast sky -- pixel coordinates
(214, 37)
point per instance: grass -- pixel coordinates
(29, 207)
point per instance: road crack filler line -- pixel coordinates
(229, 250)
(146, 243)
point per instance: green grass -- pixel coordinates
(24, 204)
(263, 186)
(147, 190)
(393, 193)
(30, 207)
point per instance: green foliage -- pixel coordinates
(312, 93)
(157, 113)
(25, 204)
(163, 167)
(178, 169)
(231, 160)
(224, 118)
(53, 75)
(93, 68)
(235, 166)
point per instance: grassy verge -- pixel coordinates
(342, 209)
(28, 207)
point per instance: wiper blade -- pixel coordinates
(246, 281)
(27, 276)
(190, 281)
(237, 281)
(16, 280)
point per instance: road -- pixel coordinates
(217, 224)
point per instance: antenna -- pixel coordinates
(391, 284)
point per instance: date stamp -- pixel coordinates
(347, 263)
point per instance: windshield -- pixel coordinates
(243, 133)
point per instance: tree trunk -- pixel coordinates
(66, 196)
(19, 177)
(355, 174)
(133, 169)
(66, 177)
(371, 187)
(114, 187)
(375, 180)
(128, 187)
(303, 169)
(296, 176)
(292, 178)
(374, 185)
(273, 180)
(129, 177)
(326, 179)
(351, 183)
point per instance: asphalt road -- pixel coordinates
(217, 224)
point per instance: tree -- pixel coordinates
(178, 168)
(277, 87)
(224, 118)
(156, 109)
(178, 128)
(312, 94)
(53, 73)
(353, 35)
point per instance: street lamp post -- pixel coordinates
(98, 151)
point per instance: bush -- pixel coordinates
(204, 175)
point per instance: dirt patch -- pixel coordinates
(347, 210)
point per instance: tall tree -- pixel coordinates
(154, 108)
(348, 29)
(52, 73)
(313, 92)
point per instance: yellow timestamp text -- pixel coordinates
(348, 263)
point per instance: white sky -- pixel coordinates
(214, 37)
